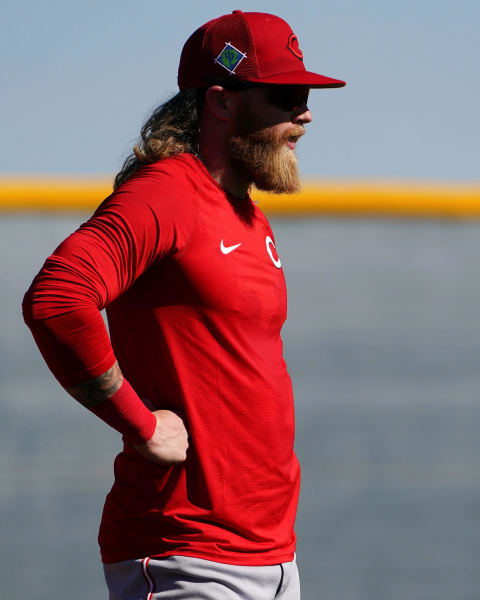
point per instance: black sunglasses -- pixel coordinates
(289, 98)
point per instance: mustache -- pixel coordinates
(293, 134)
(295, 131)
(268, 136)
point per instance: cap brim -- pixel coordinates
(313, 80)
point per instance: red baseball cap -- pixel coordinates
(246, 47)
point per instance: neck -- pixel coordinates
(226, 176)
(214, 156)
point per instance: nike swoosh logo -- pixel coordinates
(228, 249)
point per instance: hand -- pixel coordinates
(169, 443)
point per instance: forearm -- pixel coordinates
(111, 398)
(72, 338)
(76, 346)
(91, 394)
(159, 436)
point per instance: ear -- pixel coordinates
(220, 102)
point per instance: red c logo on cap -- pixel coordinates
(292, 45)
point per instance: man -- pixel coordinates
(193, 376)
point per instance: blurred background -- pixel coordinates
(383, 335)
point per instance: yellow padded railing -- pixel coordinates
(322, 197)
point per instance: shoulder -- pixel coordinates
(163, 185)
(175, 171)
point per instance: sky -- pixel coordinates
(79, 79)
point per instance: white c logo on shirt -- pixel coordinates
(276, 261)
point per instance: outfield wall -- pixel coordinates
(322, 197)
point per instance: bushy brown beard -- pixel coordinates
(262, 156)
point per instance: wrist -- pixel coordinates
(125, 412)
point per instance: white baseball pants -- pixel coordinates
(186, 578)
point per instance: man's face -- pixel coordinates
(262, 141)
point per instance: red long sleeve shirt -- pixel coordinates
(195, 298)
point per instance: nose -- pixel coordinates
(303, 115)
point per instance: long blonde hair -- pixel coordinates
(172, 128)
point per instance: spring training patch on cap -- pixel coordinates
(230, 57)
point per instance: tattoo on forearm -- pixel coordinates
(92, 393)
